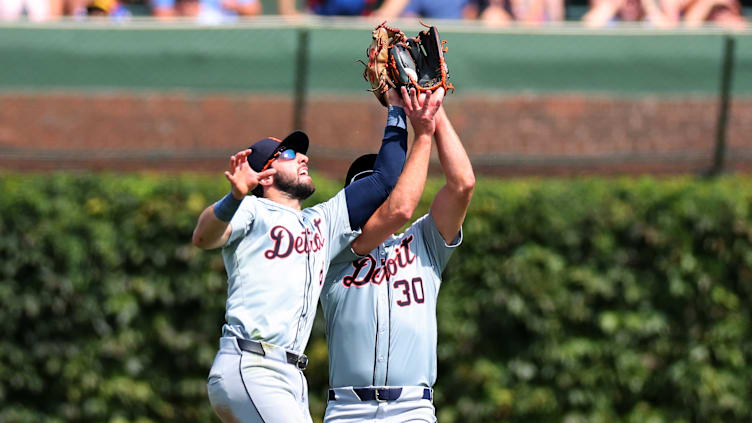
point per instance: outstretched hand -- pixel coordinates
(422, 110)
(242, 178)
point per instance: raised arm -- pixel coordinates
(365, 195)
(401, 203)
(450, 204)
(213, 228)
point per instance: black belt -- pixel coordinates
(381, 394)
(300, 361)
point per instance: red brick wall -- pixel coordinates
(518, 135)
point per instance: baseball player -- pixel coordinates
(276, 257)
(379, 297)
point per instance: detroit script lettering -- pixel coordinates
(367, 269)
(285, 242)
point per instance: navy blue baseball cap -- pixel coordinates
(265, 149)
(360, 168)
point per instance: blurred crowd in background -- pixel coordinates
(595, 13)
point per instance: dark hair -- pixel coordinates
(258, 191)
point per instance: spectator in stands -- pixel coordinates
(75, 8)
(667, 13)
(436, 9)
(190, 8)
(175, 8)
(107, 8)
(164, 9)
(727, 13)
(603, 12)
(537, 12)
(529, 12)
(34, 10)
(491, 12)
(387, 9)
(206, 11)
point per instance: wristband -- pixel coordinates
(225, 208)
(396, 117)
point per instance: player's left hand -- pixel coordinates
(242, 178)
(422, 110)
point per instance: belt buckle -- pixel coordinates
(302, 362)
(376, 395)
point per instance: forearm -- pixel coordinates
(700, 10)
(364, 196)
(454, 160)
(213, 227)
(402, 202)
(209, 230)
(405, 197)
(391, 157)
(450, 204)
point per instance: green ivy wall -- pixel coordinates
(582, 300)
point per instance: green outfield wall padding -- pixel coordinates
(254, 59)
(742, 76)
(209, 59)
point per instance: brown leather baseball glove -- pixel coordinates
(395, 60)
(376, 71)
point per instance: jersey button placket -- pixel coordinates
(383, 300)
(304, 315)
(382, 338)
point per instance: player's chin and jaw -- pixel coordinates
(294, 184)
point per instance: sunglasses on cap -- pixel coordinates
(284, 155)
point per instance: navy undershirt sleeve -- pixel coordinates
(365, 195)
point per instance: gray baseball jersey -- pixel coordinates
(381, 310)
(276, 259)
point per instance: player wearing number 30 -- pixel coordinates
(379, 297)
